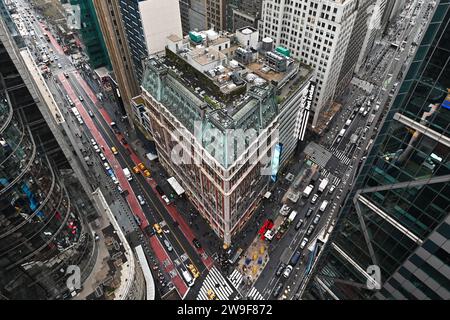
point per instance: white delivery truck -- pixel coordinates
(308, 190)
(127, 174)
(292, 216)
(323, 184)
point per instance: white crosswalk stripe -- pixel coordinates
(236, 278)
(255, 295)
(342, 157)
(215, 281)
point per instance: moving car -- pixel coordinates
(304, 242)
(141, 166)
(91, 114)
(158, 229)
(196, 243)
(316, 219)
(193, 270)
(299, 224)
(141, 199)
(168, 245)
(309, 212)
(211, 294)
(80, 98)
(314, 198)
(287, 271)
(280, 269)
(147, 173)
(277, 290)
(331, 190)
(135, 169)
(310, 230)
(114, 150)
(59, 66)
(66, 75)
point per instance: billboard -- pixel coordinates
(276, 161)
(304, 111)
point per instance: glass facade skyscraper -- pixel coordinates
(397, 215)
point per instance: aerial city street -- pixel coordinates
(225, 150)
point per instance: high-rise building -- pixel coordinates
(91, 34)
(316, 32)
(366, 29)
(396, 218)
(243, 13)
(393, 8)
(216, 14)
(133, 30)
(193, 15)
(42, 229)
(206, 94)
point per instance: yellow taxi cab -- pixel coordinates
(147, 173)
(141, 166)
(193, 270)
(136, 169)
(158, 229)
(114, 150)
(211, 295)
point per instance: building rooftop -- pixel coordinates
(231, 81)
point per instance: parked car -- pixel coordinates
(102, 156)
(106, 165)
(166, 200)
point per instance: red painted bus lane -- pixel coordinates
(131, 197)
(162, 256)
(176, 216)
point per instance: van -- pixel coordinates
(295, 258)
(323, 206)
